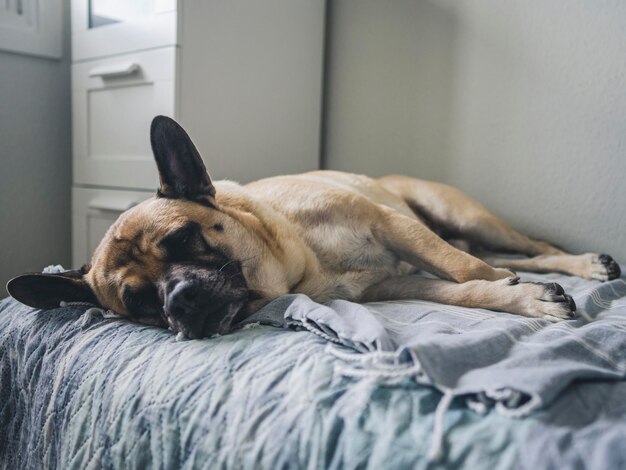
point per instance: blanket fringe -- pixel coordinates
(435, 452)
(377, 366)
(385, 367)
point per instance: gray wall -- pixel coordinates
(35, 150)
(522, 104)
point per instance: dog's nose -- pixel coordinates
(200, 307)
(182, 300)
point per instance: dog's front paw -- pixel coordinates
(555, 305)
(540, 300)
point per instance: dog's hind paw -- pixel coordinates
(604, 268)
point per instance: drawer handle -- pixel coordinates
(112, 204)
(116, 70)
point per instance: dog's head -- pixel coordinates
(174, 260)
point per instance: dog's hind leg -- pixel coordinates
(463, 218)
(588, 266)
(506, 295)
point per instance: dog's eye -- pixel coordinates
(188, 244)
(183, 242)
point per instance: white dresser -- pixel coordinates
(244, 77)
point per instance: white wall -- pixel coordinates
(521, 103)
(35, 172)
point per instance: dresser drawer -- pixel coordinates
(93, 212)
(113, 103)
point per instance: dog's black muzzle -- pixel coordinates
(200, 302)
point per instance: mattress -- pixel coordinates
(386, 385)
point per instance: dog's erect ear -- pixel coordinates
(182, 172)
(48, 290)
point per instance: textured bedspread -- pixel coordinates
(341, 387)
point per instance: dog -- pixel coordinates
(198, 257)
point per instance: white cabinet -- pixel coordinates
(113, 102)
(244, 77)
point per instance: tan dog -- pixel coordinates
(200, 256)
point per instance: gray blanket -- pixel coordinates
(515, 364)
(358, 386)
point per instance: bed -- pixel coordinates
(409, 384)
